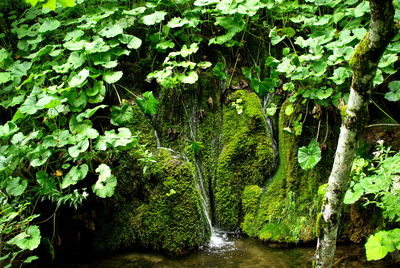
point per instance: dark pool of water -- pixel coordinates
(241, 253)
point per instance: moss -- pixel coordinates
(360, 51)
(168, 216)
(246, 158)
(287, 209)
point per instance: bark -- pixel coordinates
(364, 64)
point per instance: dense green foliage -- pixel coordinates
(376, 183)
(71, 73)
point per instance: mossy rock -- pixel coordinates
(288, 207)
(166, 215)
(247, 156)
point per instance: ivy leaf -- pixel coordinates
(27, 240)
(76, 174)
(112, 77)
(49, 25)
(16, 186)
(121, 115)
(105, 185)
(308, 156)
(148, 104)
(154, 18)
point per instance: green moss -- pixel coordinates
(360, 51)
(287, 209)
(246, 157)
(164, 214)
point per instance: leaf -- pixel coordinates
(5, 77)
(16, 186)
(75, 174)
(121, 115)
(79, 79)
(374, 248)
(79, 127)
(154, 18)
(394, 93)
(308, 156)
(31, 258)
(112, 77)
(8, 129)
(49, 25)
(148, 104)
(322, 189)
(190, 78)
(111, 30)
(196, 146)
(105, 185)
(352, 196)
(27, 240)
(89, 112)
(132, 41)
(81, 147)
(219, 71)
(111, 139)
(50, 4)
(289, 109)
(67, 3)
(271, 110)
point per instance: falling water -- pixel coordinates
(265, 102)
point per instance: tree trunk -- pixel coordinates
(364, 63)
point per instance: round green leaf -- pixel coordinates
(308, 156)
(16, 186)
(29, 239)
(112, 77)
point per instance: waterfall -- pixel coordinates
(219, 239)
(266, 100)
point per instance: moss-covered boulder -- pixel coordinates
(247, 156)
(286, 210)
(163, 211)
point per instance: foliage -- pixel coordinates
(308, 156)
(61, 72)
(376, 182)
(56, 87)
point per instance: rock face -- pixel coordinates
(287, 209)
(164, 209)
(164, 212)
(246, 158)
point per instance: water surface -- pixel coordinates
(241, 253)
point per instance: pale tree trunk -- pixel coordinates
(364, 64)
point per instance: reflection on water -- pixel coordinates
(241, 253)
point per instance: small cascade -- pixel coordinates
(219, 239)
(265, 102)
